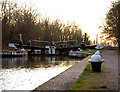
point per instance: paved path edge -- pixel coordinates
(70, 76)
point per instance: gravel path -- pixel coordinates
(65, 80)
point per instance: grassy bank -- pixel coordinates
(92, 51)
(88, 80)
(80, 80)
(118, 51)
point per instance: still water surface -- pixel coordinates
(26, 73)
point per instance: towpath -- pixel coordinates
(65, 80)
(111, 68)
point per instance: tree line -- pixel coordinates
(28, 22)
(111, 27)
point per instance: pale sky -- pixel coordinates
(88, 14)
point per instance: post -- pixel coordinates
(96, 66)
(82, 43)
(49, 52)
(49, 49)
(30, 43)
(83, 38)
(96, 62)
(53, 49)
(21, 38)
(97, 39)
(21, 43)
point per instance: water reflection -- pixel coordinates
(26, 73)
(36, 62)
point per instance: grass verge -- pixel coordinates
(118, 51)
(92, 51)
(90, 80)
(79, 82)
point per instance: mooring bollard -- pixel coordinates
(96, 62)
(49, 51)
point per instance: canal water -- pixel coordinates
(26, 73)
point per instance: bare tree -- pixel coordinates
(112, 26)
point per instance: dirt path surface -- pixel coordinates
(108, 76)
(111, 68)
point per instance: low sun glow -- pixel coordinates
(88, 14)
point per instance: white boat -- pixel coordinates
(12, 53)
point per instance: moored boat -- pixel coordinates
(12, 53)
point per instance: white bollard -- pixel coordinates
(96, 62)
(96, 57)
(53, 49)
(49, 51)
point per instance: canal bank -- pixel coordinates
(66, 79)
(26, 73)
(104, 81)
(108, 78)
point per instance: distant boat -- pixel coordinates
(78, 54)
(12, 53)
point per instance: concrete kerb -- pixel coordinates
(70, 76)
